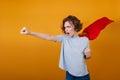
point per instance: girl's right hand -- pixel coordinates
(25, 31)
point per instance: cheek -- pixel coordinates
(71, 29)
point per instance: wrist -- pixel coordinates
(30, 33)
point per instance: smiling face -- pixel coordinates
(69, 29)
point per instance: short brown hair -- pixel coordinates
(75, 21)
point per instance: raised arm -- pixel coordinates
(25, 31)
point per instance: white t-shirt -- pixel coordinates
(72, 57)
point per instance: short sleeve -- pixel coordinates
(88, 43)
(60, 38)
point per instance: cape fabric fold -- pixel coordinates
(93, 30)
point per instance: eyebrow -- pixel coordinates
(67, 26)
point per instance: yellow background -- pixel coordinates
(28, 58)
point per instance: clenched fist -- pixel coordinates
(24, 30)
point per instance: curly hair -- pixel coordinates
(74, 20)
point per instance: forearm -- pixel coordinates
(25, 31)
(43, 36)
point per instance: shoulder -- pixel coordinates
(60, 38)
(84, 38)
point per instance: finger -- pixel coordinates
(23, 30)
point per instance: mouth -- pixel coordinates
(67, 33)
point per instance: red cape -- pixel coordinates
(93, 30)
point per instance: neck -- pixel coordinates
(75, 34)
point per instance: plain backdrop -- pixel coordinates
(24, 57)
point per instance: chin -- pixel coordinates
(71, 35)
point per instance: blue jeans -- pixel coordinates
(71, 77)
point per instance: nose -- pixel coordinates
(66, 29)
